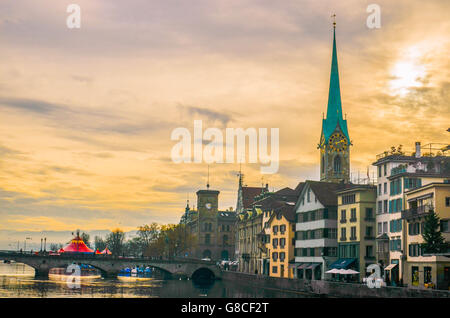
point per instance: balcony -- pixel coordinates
(353, 220)
(343, 221)
(369, 219)
(416, 211)
(344, 238)
(353, 238)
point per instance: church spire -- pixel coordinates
(334, 109)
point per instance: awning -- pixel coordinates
(313, 265)
(391, 266)
(343, 263)
(304, 265)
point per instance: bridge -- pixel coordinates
(110, 266)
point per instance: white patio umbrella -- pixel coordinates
(349, 272)
(334, 271)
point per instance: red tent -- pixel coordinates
(77, 245)
(97, 251)
(61, 250)
(106, 251)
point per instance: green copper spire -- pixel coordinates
(334, 110)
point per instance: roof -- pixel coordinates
(326, 191)
(286, 209)
(77, 246)
(249, 194)
(334, 109)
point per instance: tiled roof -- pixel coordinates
(249, 194)
(326, 191)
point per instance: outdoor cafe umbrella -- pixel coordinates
(348, 272)
(334, 271)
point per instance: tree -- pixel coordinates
(99, 243)
(434, 241)
(171, 240)
(148, 233)
(85, 237)
(115, 241)
(55, 247)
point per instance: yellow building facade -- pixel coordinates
(281, 233)
(356, 228)
(424, 271)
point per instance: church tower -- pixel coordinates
(334, 140)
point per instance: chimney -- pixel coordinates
(418, 155)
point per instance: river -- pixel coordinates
(17, 280)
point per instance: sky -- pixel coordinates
(87, 114)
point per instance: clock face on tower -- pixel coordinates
(338, 142)
(208, 206)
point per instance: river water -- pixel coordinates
(17, 280)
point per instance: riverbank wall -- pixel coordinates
(332, 289)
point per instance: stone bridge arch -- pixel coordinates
(110, 266)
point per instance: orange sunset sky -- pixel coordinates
(87, 114)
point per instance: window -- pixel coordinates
(337, 164)
(348, 199)
(343, 216)
(410, 183)
(282, 229)
(353, 215)
(274, 269)
(282, 256)
(207, 239)
(447, 201)
(369, 213)
(385, 203)
(369, 251)
(379, 189)
(385, 227)
(323, 164)
(282, 242)
(385, 188)
(380, 228)
(380, 207)
(343, 234)
(369, 231)
(275, 243)
(444, 226)
(427, 275)
(312, 252)
(308, 195)
(274, 256)
(275, 229)
(385, 168)
(353, 233)
(379, 171)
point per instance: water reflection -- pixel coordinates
(17, 280)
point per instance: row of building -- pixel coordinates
(304, 232)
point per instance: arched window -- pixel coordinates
(323, 163)
(337, 164)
